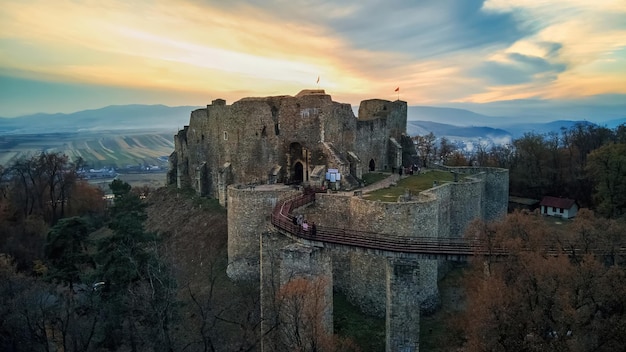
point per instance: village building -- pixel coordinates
(561, 207)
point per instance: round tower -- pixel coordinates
(249, 215)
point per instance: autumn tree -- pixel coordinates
(304, 317)
(425, 146)
(553, 291)
(43, 184)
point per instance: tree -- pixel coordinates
(552, 292)
(43, 184)
(425, 147)
(445, 150)
(67, 250)
(139, 290)
(528, 174)
(606, 166)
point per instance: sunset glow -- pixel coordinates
(190, 52)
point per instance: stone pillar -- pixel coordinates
(403, 306)
(296, 294)
(269, 286)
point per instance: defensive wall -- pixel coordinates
(379, 284)
(246, 153)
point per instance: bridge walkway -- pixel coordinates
(444, 248)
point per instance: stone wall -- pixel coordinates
(402, 305)
(256, 136)
(440, 212)
(249, 213)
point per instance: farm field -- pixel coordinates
(118, 149)
(150, 179)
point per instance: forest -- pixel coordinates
(147, 271)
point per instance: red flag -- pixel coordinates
(397, 89)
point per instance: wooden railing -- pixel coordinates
(283, 219)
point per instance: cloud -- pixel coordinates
(519, 68)
(418, 29)
(436, 51)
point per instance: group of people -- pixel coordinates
(304, 224)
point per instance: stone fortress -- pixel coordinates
(251, 153)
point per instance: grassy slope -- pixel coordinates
(414, 183)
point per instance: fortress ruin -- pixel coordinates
(249, 154)
(286, 139)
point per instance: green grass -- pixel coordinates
(437, 333)
(367, 332)
(414, 183)
(374, 177)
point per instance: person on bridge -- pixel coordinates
(313, 229)
(305, 226)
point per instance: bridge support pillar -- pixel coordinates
(296, 295)
(403, 305)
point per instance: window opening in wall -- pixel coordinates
(225, 135)
(372, 165)
(554, 209)
(561, 210)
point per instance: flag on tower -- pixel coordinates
(318, 79)
(397, 89)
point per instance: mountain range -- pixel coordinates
(110, 118)
(441, 121)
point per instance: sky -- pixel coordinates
(70, 55)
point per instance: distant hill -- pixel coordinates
(114, 117)
(599, 109)
(452, 116)
(441, 129)
(518, 130)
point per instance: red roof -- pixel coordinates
(564, 203)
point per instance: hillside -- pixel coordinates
(114, 117)
(194, 232)
(213, 310)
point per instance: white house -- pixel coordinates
(561, 207)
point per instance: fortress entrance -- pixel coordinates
(298, 173)
(297, 161)
(372, 165)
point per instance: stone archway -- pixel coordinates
(298, 173)
(372, 165)
(297, 161)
